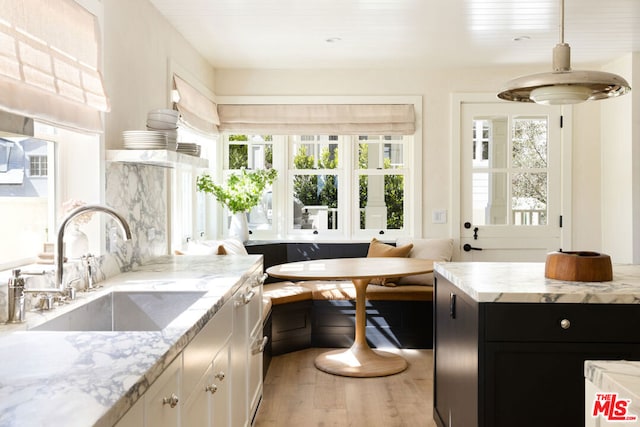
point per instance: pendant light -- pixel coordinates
(564, 85)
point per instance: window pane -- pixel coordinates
(378, 152)
(315, 203)
(315, 152)
(529, 199)
(489, 198)
(25, 198)
(530, 143)
(490, 142)
(250, 151)
(381, 202)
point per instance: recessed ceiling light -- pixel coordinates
(333, 40)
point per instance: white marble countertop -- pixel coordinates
(92, 378)
(525, 282)
(616, 376)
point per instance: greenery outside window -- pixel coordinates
(336, 186)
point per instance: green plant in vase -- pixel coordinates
(241, 193)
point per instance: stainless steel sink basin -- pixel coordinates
(124, 311)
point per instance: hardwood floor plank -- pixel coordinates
(297, 394)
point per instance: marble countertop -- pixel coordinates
(616, 376)
(92, 378)
(525, 283)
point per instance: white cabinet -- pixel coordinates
(162, 400)
(216, 381)
(247, 345)
(134, 416)
(207, 378)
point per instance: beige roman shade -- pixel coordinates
(335, 119)
(197, 111)
(49, 52)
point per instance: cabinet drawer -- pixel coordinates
(562, 322)
(200, 352)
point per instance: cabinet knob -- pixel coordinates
(565, 323)
(211, 388)
(220, 375)
(172, 400)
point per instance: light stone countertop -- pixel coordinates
(616, 376)
(524, 282)
(79, 379)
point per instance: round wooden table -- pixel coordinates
(359, 360)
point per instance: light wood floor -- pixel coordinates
(297, 394)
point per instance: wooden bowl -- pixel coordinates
(578, 266)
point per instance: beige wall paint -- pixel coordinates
(436, 87)
(140, 50)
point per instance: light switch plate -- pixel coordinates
(439, 216)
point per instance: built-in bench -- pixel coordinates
(307, 314)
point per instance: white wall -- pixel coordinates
(620, 136)
(436, 86)
(140, 51)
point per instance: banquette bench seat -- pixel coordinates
(318, 313)
(305, 314)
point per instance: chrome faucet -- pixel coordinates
(59, 256)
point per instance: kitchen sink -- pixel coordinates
(124, 311)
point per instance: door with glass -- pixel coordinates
(511, 181)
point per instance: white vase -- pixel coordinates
(76, 242)
(239, 228)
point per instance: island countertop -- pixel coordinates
(92, 378)
(524, 282)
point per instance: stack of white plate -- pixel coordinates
(162, 119)
(144, 140)
(188, 148)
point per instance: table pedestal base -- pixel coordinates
(360, 362)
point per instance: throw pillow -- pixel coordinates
(380, 249)
(435, 249)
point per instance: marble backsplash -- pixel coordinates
(139, 193)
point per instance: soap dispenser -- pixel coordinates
(15, 297)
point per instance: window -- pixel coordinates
(337, 186)
(25, 203)
(38, 166)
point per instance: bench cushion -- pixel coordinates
(286, 292)
(345, 290)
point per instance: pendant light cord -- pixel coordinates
(561, 21)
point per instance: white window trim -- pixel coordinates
(413, 225)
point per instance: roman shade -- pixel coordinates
(335, 119)
(49, 52)
(197, 111)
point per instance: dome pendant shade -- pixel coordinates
(564, 85)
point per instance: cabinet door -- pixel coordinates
(545, 381)
(162, 400)
(134, 416)
(221, 398)
(255, 369)
(196, 411)
(455, 357)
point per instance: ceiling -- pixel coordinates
(402, 33)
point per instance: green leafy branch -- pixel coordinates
(242, 191)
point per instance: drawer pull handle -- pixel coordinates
(211, 388)
(221, 376)
(245, 299)
(565, 323)
(172, 401)
(259, 346)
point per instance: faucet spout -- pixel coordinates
(59, 256)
